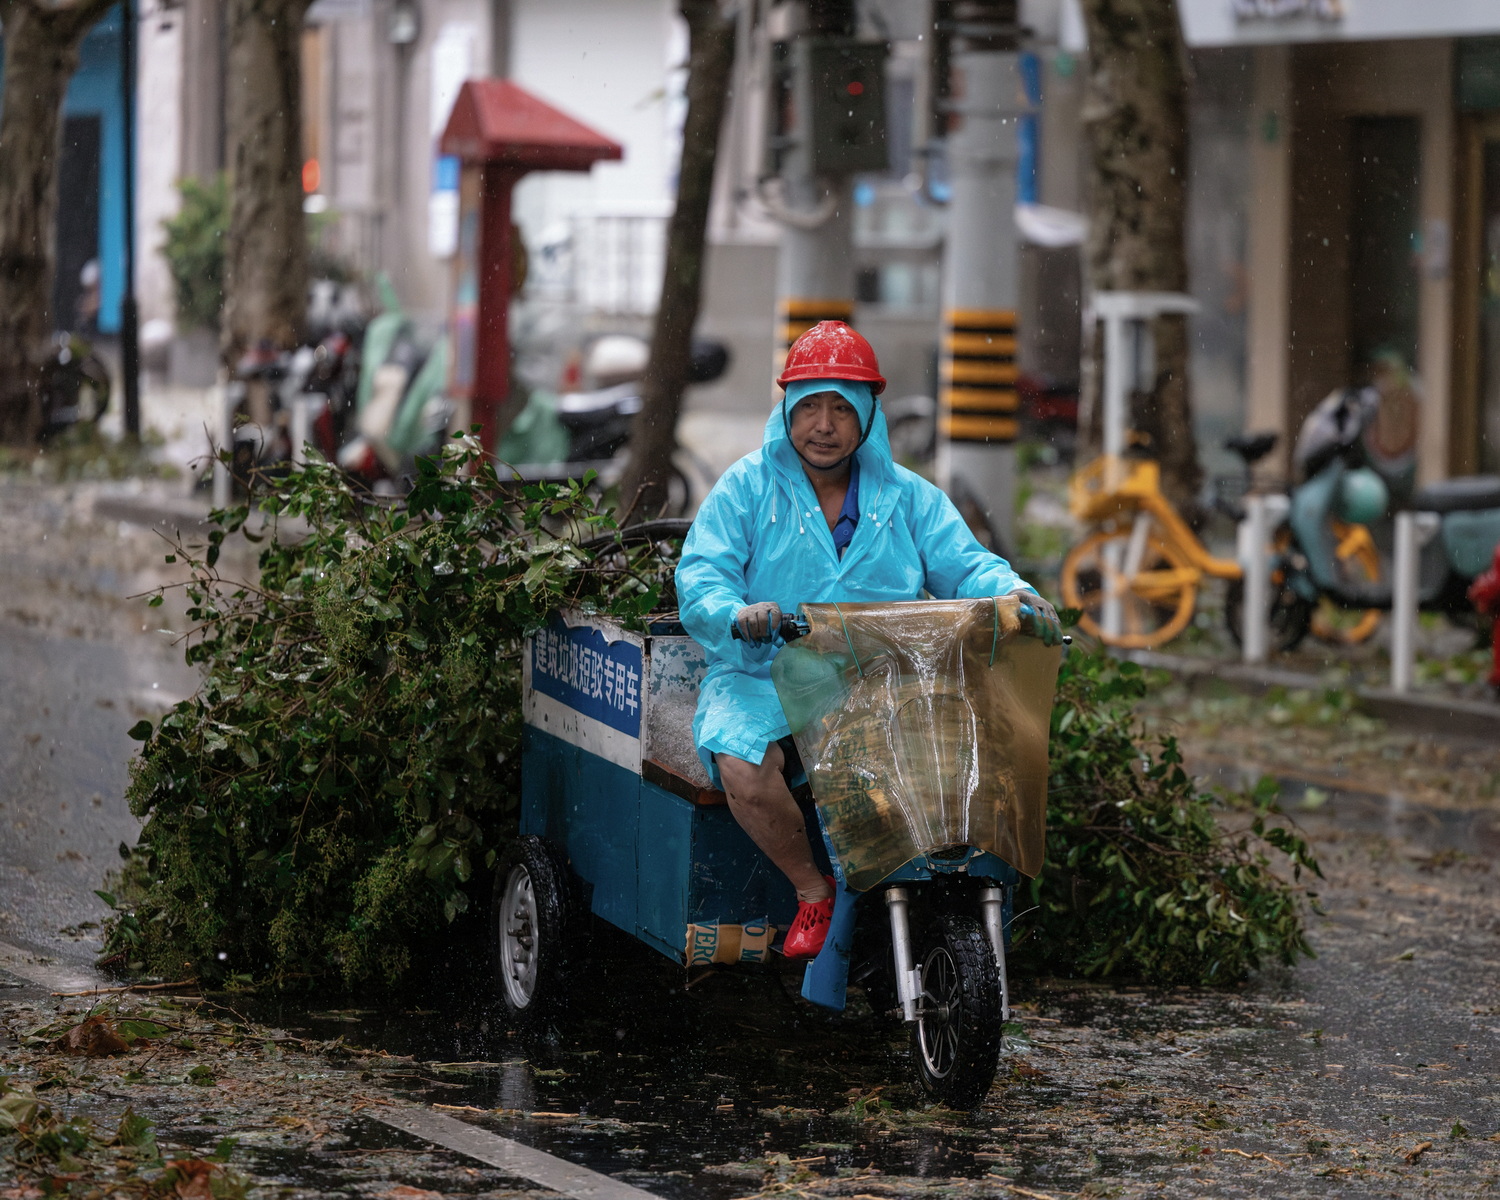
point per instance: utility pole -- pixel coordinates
(827, 123)
(978, 406)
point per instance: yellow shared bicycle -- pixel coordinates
(1136, 574)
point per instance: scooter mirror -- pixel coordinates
(709, 360)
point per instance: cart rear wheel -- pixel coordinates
(956, 1039)
(531, 916)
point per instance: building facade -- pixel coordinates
(1371, 207)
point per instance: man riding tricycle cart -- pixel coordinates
(848, 660)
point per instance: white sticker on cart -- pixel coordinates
(587, 691)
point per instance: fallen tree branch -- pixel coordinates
(132, 987)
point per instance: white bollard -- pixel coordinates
(1413, 531)
(228, 402)
(1113, 617)
(1262, 515)
(1255, 634)
(302, 419)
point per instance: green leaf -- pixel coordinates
(140, 731)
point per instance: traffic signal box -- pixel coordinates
(846, 89)
(828, 98)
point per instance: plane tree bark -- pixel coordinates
(41, 54)
(653, 434)
(1135, 115)
(265, 251)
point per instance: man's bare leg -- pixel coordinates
(763, 805)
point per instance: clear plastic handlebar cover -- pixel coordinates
(922, 725)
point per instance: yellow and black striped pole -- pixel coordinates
(977, 379)
(795, 317)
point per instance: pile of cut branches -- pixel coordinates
(337, 789)
(1148, 874)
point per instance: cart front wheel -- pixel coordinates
(531, 917)
(956, 1039)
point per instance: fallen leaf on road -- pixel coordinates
(94, 1038)
(1417, 1151)
(194, 1178)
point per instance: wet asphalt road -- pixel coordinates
(80, 664)
(1319, 1081)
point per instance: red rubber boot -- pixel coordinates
(810, 927)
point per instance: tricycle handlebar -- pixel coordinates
(792, 628)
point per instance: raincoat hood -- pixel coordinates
(876, 466)
(876, 440)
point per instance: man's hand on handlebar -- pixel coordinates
(758, 623)
(1039, 618)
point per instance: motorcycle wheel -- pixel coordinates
(956, 1038)
(1289, 620)
(531, 916)
(94, 388)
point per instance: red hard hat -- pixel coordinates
(831, 350)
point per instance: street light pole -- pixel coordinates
(130, 341)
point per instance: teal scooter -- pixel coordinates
(1345, 481)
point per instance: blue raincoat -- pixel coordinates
(760, 535)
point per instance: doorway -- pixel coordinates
(75, 301)
(1384, 289)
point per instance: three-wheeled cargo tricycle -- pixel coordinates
(921, 730)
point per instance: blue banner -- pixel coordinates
(596, 678)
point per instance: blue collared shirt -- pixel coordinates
(843, 528)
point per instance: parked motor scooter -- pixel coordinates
(320, 376)
(75, 386)
(399, 408)
(1343, 480)
(596, 422)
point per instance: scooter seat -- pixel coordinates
(1464, 494)
(1252, 447)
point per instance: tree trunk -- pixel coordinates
(265, 252)
(41, 54)
(653, 434)
(1135, 114)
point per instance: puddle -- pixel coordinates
(1354, 809)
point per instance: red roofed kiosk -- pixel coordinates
(498, 132)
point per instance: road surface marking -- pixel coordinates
(53, 976)
(535, 1165)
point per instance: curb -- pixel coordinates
(1448, 716)
(164, 513)
(179, 514)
